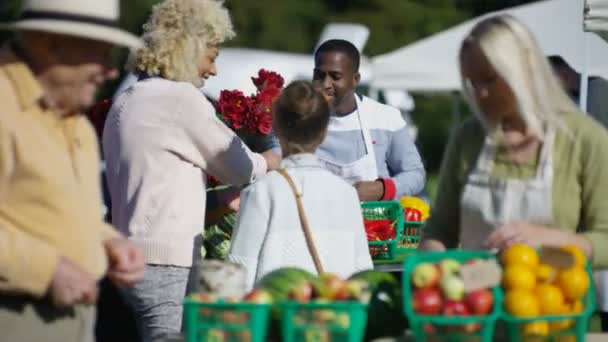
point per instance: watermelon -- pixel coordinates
(385, 316)
(280, 281)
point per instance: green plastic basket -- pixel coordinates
(320, 322)
(419, 322)
(387, 249)
(576, 332)
(410, 237)
(225, 322)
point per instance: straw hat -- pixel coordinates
(93, 19)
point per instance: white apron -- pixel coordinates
(488, 202)
(363, 169)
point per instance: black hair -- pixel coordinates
(343, 46)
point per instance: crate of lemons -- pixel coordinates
(546, 302)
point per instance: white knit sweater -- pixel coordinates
(269, 234)
(160, 139)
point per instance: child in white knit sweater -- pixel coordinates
(269, 233)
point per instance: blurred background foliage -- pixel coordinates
(295, 26)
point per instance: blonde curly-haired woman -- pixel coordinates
(160, 140)
(529, 168)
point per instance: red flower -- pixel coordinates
(259, 117)
(251, 114)
(268, 78)
(268, 95)
(233, 104)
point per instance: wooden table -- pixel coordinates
(591, 337)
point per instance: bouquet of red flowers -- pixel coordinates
(251, 114)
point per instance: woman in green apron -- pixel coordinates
(529, 167)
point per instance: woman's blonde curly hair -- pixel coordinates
(177, 35)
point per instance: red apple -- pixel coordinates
(330, 286)
(302, 292)
(425, 275)
(204, 298)
(427, 301)
(358, 290)
(471, 327)
(429, 328)
(455, 308)
(258, 296)
(480, 302)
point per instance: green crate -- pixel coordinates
(418, 322)
(320, 322)
(577, 331)
(226, 322)
(410, 237)
(385, 250)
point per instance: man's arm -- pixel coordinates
(405, 166)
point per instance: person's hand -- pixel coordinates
(230, 197)
(126, 262)
(519, 232)
(71, 285)
(431, 245)
(272, 160)
(369, 190)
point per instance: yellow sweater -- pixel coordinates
(50, 198)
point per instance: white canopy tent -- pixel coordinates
(596, 17)
(430, 65)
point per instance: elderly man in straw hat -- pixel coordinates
(54, 246)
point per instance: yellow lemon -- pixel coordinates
(521, 303)
(535, 328)
(520, 254)
(573, 281)
(550, 299)
(519, 277)
(545, 273)
(580, 260)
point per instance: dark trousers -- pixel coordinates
(115, 319)
(604, 320)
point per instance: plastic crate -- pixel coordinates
(321, 322)
(225, 322)
(410, 237)
(577, 331)
(387, 249)
(418, 322)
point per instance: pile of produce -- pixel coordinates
(221, 313)
(379, 291)
(217, 237)
(379, 230)
(414, 210)
(438, 289)
(534, 289)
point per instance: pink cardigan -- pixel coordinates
(160, 139)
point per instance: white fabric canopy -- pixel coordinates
(430, 64)
(596, 16)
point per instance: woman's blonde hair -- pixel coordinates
(514, 53)
(177, 35)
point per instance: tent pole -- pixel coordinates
(455, 110)
(583, 94)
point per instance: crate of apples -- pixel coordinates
(439, 299)
(243, 319)
(336, 307)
